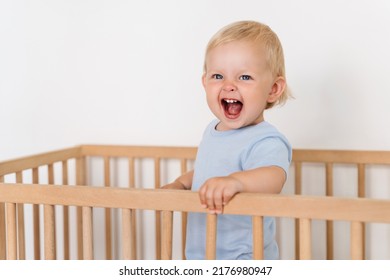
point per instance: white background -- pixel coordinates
(129, 72)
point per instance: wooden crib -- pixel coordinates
(38, 193)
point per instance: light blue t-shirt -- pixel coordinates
(221, 153)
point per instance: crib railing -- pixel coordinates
(329, 158)
(33, 163)
(13, 196)
(157, 154)
(80, 155)
(256, 205)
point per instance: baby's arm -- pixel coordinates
(184, 182)
(217, 192)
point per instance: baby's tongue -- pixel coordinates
(234, 108)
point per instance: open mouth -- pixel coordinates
(232, 107)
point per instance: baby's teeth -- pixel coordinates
(230, 101)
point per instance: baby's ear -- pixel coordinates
(277, 89)
(204, 79)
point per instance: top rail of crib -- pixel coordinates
(29, 162)
(299, 155)
(34, 161)
(341, 156)
(323, 208)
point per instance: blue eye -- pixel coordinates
(217, 76)
(245, 77)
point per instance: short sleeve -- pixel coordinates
(271, 151)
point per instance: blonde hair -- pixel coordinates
(260, 34)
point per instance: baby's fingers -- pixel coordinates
(209, 200)
(218, 201)
(221, 197)
(212, 199)
(227, 196)
(202, 196)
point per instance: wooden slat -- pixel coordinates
(129, 221)
(49, 232)
(65, 210)
(357, 243)
(157, 185)
(305, 239)
(258, 238)
(184, 215)
(329, 179)
(297, 191)
(87, 233)
(184, 219)
(36, 219)
(131, 172)
(329, 224)
(133, 213)
(3, 252)
(362, 193)
(211, 237)
(126, 234)
(361, 180)
(52, 208)
(21, 228)
(80, 180)
(342, 156)
(108, 227)
(24, 163)
(79, 216)
(12, 250)
(139, 151)
(133, 223)
(166, 235)
(50, 174)
(298, 178)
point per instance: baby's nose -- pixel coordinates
(228, 86)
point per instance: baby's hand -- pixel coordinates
(217, 192)
(174, 186)
(183, 182)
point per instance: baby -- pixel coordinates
(243, 75)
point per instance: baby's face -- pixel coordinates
(238, 84)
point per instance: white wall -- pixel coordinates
(128, 72)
